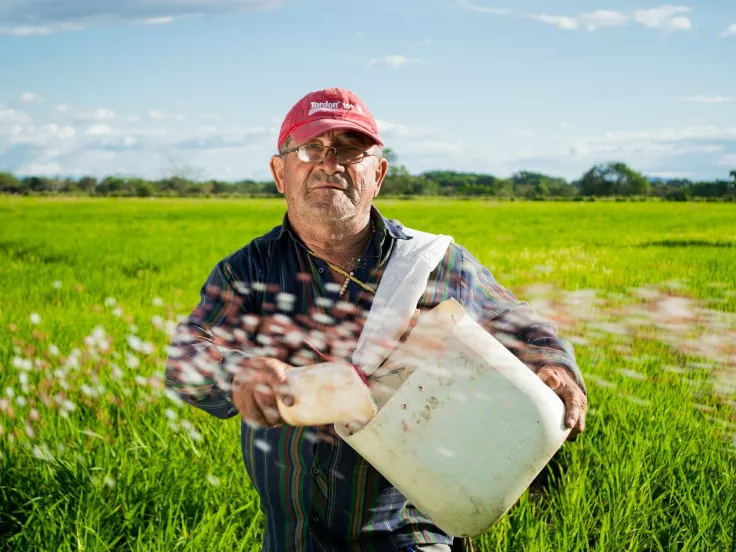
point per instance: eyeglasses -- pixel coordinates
(317, 153)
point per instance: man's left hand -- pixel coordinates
(562, 382)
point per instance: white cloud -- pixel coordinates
(394, 61)
(99, 130)
(390, 130)
(42, 169)
(99, 114)
(522, 133)
(30, 97)
(225, 140)
(9, 116)
(29, 134)
(708, 99)
(731, 31)
(482, 9)
(559, 21)
(158, 115)
(39, 30)
(666, 18)
(156, 21)
(693, 132)
(42, 17)
(603, 18)
(425, 42)
(63, 108)
(728, 160)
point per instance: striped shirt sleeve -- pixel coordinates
(203, 345)
(530, 337)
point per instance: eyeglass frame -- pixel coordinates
(327, 152)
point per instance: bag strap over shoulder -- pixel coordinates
(403, 282)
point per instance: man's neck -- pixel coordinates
(334, 241)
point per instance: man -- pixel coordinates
(298, 295)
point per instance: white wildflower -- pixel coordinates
(56, 284)
(158, 302)
(110, 302)
(35, 318)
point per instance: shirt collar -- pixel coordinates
(391, 227)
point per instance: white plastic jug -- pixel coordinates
(327, 393)
(463, 427)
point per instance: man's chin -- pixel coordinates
(331, 210)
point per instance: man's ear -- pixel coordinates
(277, 171)
(381, 171)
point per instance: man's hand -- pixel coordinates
(255, 387)
(562, 382)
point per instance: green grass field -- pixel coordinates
(95, 456)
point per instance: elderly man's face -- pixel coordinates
(329, 191)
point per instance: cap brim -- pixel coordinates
(314, 128)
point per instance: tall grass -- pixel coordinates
(94, 455)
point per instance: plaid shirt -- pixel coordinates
(317, 494)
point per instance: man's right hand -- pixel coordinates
(255, 386)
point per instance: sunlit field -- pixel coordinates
(94, 455)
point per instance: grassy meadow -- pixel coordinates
(95, 456)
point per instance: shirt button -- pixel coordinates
(320, 270)
(315, 519)
(315, 471)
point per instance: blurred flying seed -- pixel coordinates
(262, 445)
(446, 452)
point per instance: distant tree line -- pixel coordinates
(606, 180)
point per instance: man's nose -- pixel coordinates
(331, 164)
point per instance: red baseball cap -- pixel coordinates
(324, 110)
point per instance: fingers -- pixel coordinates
(549, 376)
(245, 402)
(254, 391)
(576, 403)
(265, 399)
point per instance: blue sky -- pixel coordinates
(199, 87)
